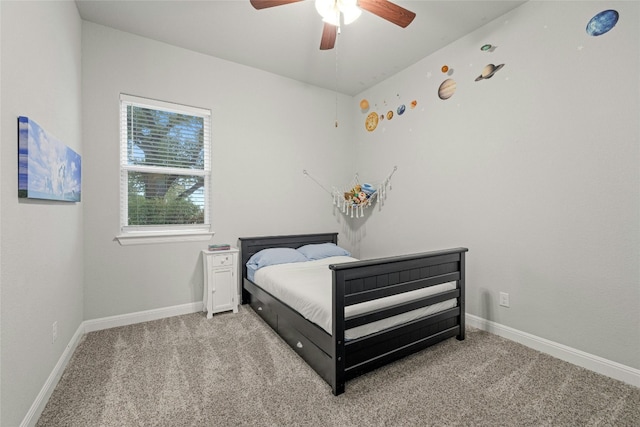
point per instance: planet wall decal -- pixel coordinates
(445, 68)
(371, 122)
(401, 109)
(602, 23)
(447, 89)
(486, 47)
(488, 71)
(364, 105)
(389, 115)
(413, 104)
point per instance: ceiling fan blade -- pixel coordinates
(328, 40)
(389, 11)
(263, 4)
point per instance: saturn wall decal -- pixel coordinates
(488, 71)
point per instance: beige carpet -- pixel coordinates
(234, 370)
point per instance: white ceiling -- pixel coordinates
(285, 40)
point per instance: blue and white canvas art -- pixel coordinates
(47, 169)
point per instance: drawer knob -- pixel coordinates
(299, 344)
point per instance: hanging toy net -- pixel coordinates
(353, 200)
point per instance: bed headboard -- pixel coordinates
(251, 245)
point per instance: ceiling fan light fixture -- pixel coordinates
(330, 11)
(350, 11)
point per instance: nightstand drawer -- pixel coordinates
(220, 260)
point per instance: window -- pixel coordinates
(165, 171)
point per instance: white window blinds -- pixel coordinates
(165, 165)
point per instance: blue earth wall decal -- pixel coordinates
(602, 22)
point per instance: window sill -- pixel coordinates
(155, 237)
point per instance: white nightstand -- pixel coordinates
(220, 281)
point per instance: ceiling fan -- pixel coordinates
(330, 10)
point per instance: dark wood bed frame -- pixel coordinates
(328, 354)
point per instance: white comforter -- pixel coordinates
(306, 287)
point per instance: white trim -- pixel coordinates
(142, 238)
(163, 105)
(52, 381)
(125, 166)
(141, 316)
(594, 363)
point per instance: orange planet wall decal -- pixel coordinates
(364, 104)
(371, 122)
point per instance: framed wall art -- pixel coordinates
(47, 169)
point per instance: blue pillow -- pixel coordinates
(272, 256)
(322, 250)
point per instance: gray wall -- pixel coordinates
(535, 170)
(266, 130)
(41, 245)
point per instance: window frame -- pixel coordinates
(147, 234)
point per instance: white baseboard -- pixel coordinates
(45, 393)
(580, 358)
(140, 316)
(96, 325)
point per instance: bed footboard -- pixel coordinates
(362, 281)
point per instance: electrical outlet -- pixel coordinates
(504, 299)
(54, 332)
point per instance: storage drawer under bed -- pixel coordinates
(302, 345)
(264, 311)
(306, 349)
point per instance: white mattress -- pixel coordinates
(306, 287)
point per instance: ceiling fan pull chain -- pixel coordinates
(336, 51)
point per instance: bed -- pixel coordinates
(336, 353)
